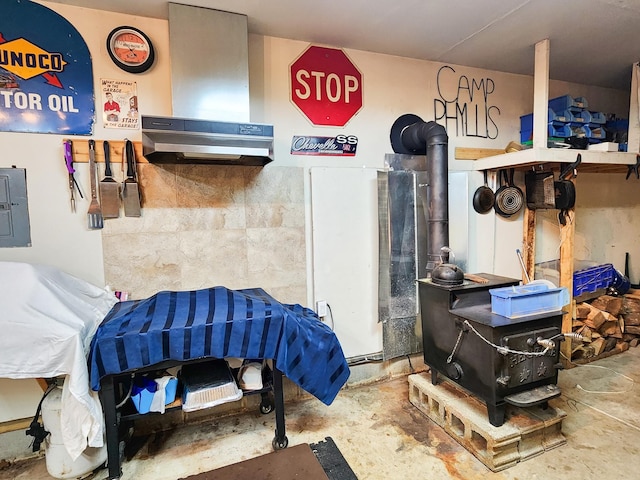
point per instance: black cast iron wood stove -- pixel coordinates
(498, 359)
(457, 326)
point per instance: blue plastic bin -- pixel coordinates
(567, 102)
(598, 117)
(522, 300)
(580, 116)
(591, 279)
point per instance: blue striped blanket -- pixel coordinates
(219, 323)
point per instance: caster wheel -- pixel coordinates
(280, 445)
(266, 408)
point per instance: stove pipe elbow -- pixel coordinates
(411, 135)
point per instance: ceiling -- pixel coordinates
(593, 42)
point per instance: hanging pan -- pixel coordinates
(483, 198)
(509, 198)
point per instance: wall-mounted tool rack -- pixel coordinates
(80, 148)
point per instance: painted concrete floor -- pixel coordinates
(383, 436)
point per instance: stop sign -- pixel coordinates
(326, 86)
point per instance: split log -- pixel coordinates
(608, 303)
(632, 329)
(622, 346)
(609, 344)
(575, 324)
(582, 310)
(584, 351)
(634, 342)
(611, 329)
(598, 345)
(631, 303)
(595, 317)
(632, 318)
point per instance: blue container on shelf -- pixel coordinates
(526, 121)
(564, 116)
(581, 116)
(597, 131)
(598, 117)
(579, 130)
(567, 102)
(531, 299)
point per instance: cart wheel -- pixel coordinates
(280, 445)
(266, 408)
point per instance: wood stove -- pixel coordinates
(498, 359)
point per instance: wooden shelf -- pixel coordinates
(591, 161)
(80, 149)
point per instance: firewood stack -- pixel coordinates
(607, 324)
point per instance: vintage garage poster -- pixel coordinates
(119, 103)
(46, 77)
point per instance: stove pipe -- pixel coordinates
(411, 135)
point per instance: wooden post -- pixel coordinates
(567, 234)
(529, 242)
(541, 94)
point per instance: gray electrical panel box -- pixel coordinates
(14, 213)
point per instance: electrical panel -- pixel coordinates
(14, 213)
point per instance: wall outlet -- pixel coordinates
(321, 308)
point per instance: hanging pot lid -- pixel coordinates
(509, 199)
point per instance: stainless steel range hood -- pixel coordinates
(210, 94)
(183, 140)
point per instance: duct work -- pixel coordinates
(411, 135)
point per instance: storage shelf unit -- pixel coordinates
(592, 161)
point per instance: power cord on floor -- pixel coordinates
(579, 387)
(410, 366)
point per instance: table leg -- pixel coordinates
(280, 441)
(108, 398)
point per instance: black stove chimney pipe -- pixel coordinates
(411, 135)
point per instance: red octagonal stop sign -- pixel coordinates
(326, 86)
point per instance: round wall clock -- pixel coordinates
(130, 49)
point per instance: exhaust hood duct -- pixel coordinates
(210, 94)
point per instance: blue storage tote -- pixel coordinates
(591, 279)
(598, 117)
(567, 102)
(580, 116)
(531, 299)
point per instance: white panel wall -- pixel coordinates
(345, 254)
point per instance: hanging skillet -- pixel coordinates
(483, 198)
(509, 198)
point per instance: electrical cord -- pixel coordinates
(579, 387)
(331, 315)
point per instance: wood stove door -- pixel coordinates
(521, 369)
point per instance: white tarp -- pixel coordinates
(47, 320)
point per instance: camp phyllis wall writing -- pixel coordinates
(464, 103)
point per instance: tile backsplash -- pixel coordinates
(210, 225)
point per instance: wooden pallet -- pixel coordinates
(526, 433)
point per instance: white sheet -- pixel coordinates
(47, 320)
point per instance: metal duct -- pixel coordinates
(411, 135)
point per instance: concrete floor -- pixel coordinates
(383, 436)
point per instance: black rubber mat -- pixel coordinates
(293, 463)
(332, 461)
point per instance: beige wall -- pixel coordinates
(203, 226)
